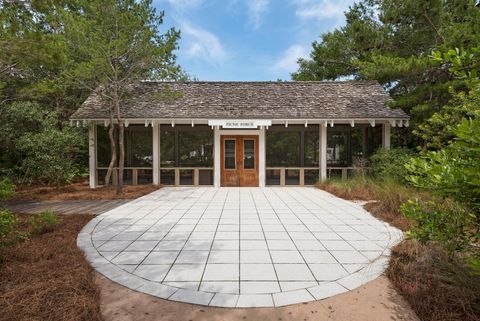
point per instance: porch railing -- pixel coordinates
(292, 176)
(131, 175)
(186, 176)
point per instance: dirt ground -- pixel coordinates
(81, 191)
(374, 301)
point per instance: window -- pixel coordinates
(205, 177)
(167, 148)
(248, 154)
(294, 146)
(292, 177)
(311, 150)
(195, 148)
(138, 146)
(186, 146)
(273, 177)
(229, 161)
(103, 147)
(137, 142)
(310, 176)
(283, 148)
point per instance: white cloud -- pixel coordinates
(202, 44)
(256, 8)
(288, 60)
(323, 9)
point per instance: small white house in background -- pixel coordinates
(242, 133)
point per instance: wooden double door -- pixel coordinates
(239, 160)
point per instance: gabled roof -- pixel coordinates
(250, 100)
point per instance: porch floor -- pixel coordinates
(239, 247)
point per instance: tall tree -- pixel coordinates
(33, 55)
(391, 41)
(117, 43)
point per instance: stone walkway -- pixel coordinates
(95, 207)
(239, 247)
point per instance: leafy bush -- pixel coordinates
(50, 155)
(36, 147)
(6, 190)
(18, 119)
(390, 164)
(8, 222)
(454, 171)
(452, 174)
(44, 222)
(443, 221)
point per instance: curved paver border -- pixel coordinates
(368, 273)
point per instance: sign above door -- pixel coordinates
(239, 123)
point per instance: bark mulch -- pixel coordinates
(47, 277)
(81, 191)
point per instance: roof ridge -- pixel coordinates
(262, 82)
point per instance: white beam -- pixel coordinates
(156, 153)
(323, 152)
(216, 156)
(386, 136)
(352, 123)
(372, 122)
(92, 157)
(261, 157)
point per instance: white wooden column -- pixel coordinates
(261, 157)
(216, 157)
(386, 135)
(92, 157)
(156, 153)
(323, 151)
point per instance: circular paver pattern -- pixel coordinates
(239, 247)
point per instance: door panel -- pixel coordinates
(239, 160)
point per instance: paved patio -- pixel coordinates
(239, 247)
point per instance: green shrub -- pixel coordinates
(6, 190)
(454, 171)
(36, 147)
(443, 221)
(50, 156)
(8, 222)
(390, 164)
(44, 222)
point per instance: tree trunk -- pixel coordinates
(113, 148)
(121, 145)
(121, 161)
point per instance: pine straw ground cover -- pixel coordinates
(81, 191)
(47, 276)
(437, 287)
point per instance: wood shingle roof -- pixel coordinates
(250, 100)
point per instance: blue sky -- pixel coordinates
(248, 39)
